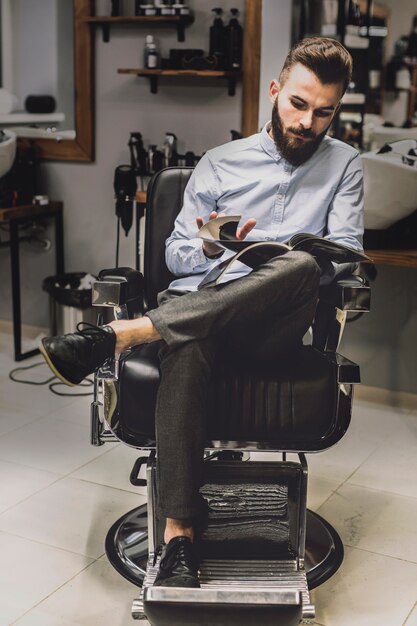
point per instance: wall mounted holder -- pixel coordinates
(153, 75)
(179, 21)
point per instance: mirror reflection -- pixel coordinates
(37, 68)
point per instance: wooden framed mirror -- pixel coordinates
(81, 148)
(252, 65)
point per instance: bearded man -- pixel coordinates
(289, 178)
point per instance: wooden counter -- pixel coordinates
(29, 210)
(400, 258)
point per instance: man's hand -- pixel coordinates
(210, 249)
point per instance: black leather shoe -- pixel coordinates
(74, 356)
(179, 565)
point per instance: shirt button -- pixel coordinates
(280, 196)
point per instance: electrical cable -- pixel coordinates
(49, 381)
(117, 242)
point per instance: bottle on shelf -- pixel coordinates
(354, 21)
(234, 39)
(144, 9)
(180, 8)
(217, 38)
(116, 8)
(329, 18)
(164, 8)
(150, 53)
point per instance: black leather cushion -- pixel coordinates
(164, 201)
(293, 405)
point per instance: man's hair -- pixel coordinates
(325, 57)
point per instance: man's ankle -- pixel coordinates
(178, 528)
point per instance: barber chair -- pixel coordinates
(262, 550)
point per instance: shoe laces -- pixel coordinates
(181, 554)
(91, 331)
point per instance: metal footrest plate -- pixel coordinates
(242, 592)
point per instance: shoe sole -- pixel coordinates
(53, 368)
(110, 401)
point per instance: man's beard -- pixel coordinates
(294, 151)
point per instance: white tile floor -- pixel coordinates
(59, 495)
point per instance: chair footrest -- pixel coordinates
(246, 591)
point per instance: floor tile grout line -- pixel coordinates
(53, 592)
(13, 430)
(30, 495)
(41, 469)
(389, 493)
(408, 616)
(37, 419)
(49, 545)
(358, 466)
(388, 556)
(60, 477)
(63, 477)
(92, 482)
(374, 489)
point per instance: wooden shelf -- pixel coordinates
(105, 21)
(399, 258)
(153, 75)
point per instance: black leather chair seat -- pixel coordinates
(296, 398)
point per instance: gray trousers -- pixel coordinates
(257, 316)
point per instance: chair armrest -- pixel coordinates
(119, 287)
(348, 371)
(350, 293)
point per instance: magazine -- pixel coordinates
(222, 232)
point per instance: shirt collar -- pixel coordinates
(268, 144)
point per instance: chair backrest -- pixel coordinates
(163, 203)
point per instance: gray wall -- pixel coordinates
(384, 341)
(276, 41)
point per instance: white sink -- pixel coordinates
(7, 152)
(390, 189)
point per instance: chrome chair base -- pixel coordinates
(127, 547)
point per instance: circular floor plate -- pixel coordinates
(127, 547)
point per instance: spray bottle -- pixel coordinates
(234, 38)
(217, 38)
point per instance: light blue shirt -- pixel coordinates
(249, 177)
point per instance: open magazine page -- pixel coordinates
(210, 231)
(222, 232)
(254, 254)
(325, 248)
